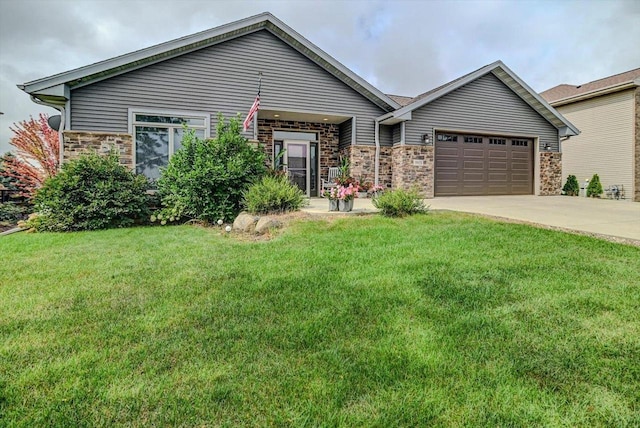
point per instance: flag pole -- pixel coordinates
(252, 117)
(255, 117)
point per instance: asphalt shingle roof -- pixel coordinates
(568, 91)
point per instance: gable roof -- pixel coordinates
(508, 77)
(56, 89)
(401, 99)
(565, 93)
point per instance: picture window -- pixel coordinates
(158, 136)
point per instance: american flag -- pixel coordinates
(254, 108)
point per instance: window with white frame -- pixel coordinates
(159, 135)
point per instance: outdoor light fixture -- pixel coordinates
(547, 147)
(426, 140)
(276, 115)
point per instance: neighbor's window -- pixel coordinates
(159, 136)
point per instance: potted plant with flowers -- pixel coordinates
(364, 189)
(332, 195)
(346, 194)
(375, 190)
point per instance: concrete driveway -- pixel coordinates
(600, 216)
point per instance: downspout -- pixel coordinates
(377, 157)
(60, 129)
(560, 142)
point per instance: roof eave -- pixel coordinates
(596, 93)
(508, 77)
(393, 118)
(144, 57)
(448, 88)
(536, 101)
(307, 48)
(565, 131)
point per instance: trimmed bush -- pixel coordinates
(206, 179)
(273, 195)
(571, 187)
(91, 192)
(594, 189)
(400, 203)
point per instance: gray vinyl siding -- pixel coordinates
(485, 105)
(345, 133)
(386, 135)
(397, 133)
(223, 78)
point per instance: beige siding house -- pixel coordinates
(607, 112)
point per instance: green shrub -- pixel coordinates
(399, 203)
(11, 213)
(594, 189)
(273, 195)
(571, 187)
(206, 179)
(91, 192)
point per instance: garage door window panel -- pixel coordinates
(473, 140)
(448, 138)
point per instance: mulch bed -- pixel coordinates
(4, 228)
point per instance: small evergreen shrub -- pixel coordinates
(206, 179)
(91, 192)
(594, 189)
(571, 187)
(273, 194)
(11, 213)
(400, 203)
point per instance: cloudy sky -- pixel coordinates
(402, 47)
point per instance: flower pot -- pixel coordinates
(345, 206)
(333, 205)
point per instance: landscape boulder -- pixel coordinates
(266, 223)
(245, 222)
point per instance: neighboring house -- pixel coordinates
(484, 133)
(607, 111)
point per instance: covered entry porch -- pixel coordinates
(304, 144)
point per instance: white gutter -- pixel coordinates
(377, 158)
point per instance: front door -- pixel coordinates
(298, 162)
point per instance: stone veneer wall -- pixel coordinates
(550, 173)
(636, 172)
(413, 166)
(327, 136)
(78, 142)
(363, 158)
(385, 173)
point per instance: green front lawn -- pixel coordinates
(444, 319)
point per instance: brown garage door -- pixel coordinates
(468, 165)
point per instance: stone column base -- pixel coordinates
(412, 166)
(550, 173)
